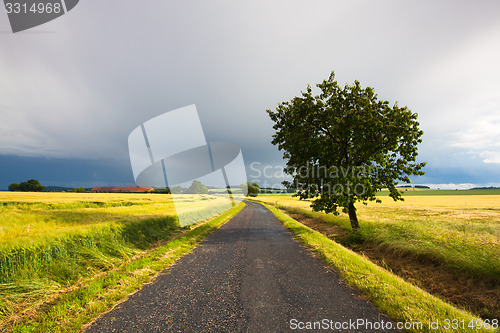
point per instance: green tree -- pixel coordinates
(344, 145)
(32, 185)
(197, 187)
(80, 189)
(176, 189)
(14, 187)
(251, 189)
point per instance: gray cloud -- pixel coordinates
(75, 87)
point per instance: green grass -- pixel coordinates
(79, 305)
(448, 245)
(50, 243)
(470, 247)
(37, 217)
(445, 230)
(400, 300)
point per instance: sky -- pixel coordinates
(73, 89)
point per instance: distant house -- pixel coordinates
(120, 189)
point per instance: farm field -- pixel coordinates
(30, 218)
(448, 245)
(51, 241)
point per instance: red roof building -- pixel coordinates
(119, 189)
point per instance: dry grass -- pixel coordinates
(50, 241)
(71, 309)
(448, 245)
(400, 300)
(30, 218)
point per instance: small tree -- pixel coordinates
(251, 189)
(344, 145)
(176, 189)
(197, 187)
(80, 189)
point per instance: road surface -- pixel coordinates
(251, 275)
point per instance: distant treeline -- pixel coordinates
(66, 189)
(414, 186)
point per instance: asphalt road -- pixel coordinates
(251, 275)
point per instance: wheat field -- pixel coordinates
(50, 241)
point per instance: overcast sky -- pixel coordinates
(72, 90)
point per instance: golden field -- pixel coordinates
(447, 244)
(30, 217)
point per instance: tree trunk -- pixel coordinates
(353, 217)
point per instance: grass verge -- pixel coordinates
(69, 310)
(400, 300)
(473, 249)
(478, 294)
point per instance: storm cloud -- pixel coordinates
(74, 88)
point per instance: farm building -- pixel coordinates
(127, 189)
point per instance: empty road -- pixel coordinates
(251, 275)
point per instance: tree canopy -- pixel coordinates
(31, 185)
(176, 189)
(197, 187)
(344, 145)
(250, 188)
